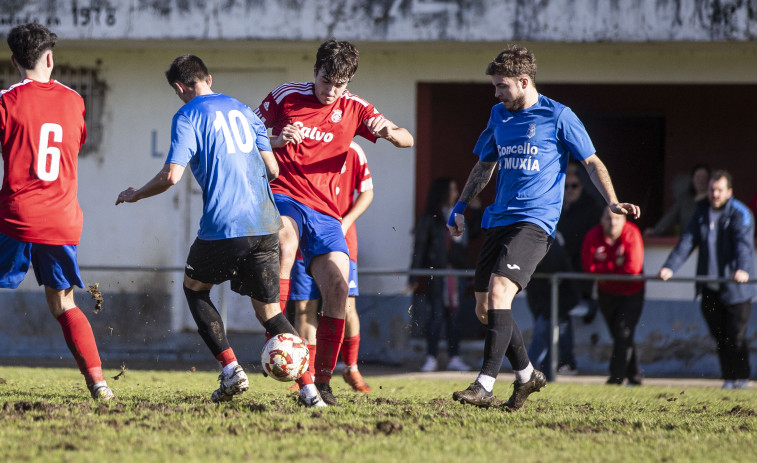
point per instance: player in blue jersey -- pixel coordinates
(226, 147)
(530, 138)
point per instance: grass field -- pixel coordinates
(167, 416)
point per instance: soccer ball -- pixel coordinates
(285, 357)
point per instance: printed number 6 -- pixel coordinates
(44, 151)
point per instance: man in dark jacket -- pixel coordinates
(723, 229)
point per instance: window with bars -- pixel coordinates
(86, 83)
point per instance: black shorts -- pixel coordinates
(251, 263)
(513, 252)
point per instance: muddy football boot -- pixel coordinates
(230, 386)
(356, 381)
(475, 395)
(324, 389)
(521, 391)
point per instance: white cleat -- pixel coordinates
(230, 386)
(101, 391)
(309, 397)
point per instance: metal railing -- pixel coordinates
(554, 279)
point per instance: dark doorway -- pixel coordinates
(647, 135)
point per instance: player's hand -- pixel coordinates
(627, 209)
(740, 276)
(127, 196)
(665, 274)
(459, 227)
(380, 126)
(289, 134)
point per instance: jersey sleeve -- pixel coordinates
(183, 141)
(572, 133)
(261, 136)
(268, 111)
(486, 146)
(366, 112)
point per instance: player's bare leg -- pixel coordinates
(331, 272)
(289, 241)
(306, 321)
(350, 348)
(80, 339)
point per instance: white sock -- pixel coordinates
(525, 374)
(228, 370)
(486, 381)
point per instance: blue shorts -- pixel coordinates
(54, 266)
(319, 233)
(303, 287)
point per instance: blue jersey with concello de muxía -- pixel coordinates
(532, 148)
(220, 138)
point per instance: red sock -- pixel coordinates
(283, 293)
(328, 337)
(305, 379)
(81, 341)
(311, 360)
(350, 347)
(226, 357)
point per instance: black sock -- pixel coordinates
(500, 328)
(516, 351)
(279, 324)
(208, 320)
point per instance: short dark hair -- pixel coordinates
(187, 69)
(718, 174)
(514, 61)
(28, 42)
(338, 60)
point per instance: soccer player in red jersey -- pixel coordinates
(354, 193)
(312, 126)
(42, 129)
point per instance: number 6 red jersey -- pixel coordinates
(42, 129)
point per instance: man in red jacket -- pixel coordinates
(615, 247)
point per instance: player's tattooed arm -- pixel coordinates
(477, 180)
(600, 177)
(479, 177)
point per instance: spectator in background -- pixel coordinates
(723, 229)
(580, 212)
(539, 297)
(615, 247)
(685, 204)
(436, 249)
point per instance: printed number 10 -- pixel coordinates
(237, 119)
(45, 151)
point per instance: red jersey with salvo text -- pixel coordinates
(42, 129)
(309, 171)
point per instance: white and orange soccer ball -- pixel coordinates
(285, 357)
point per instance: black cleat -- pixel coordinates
(324, 389)
(521, 391)
(475, 395)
